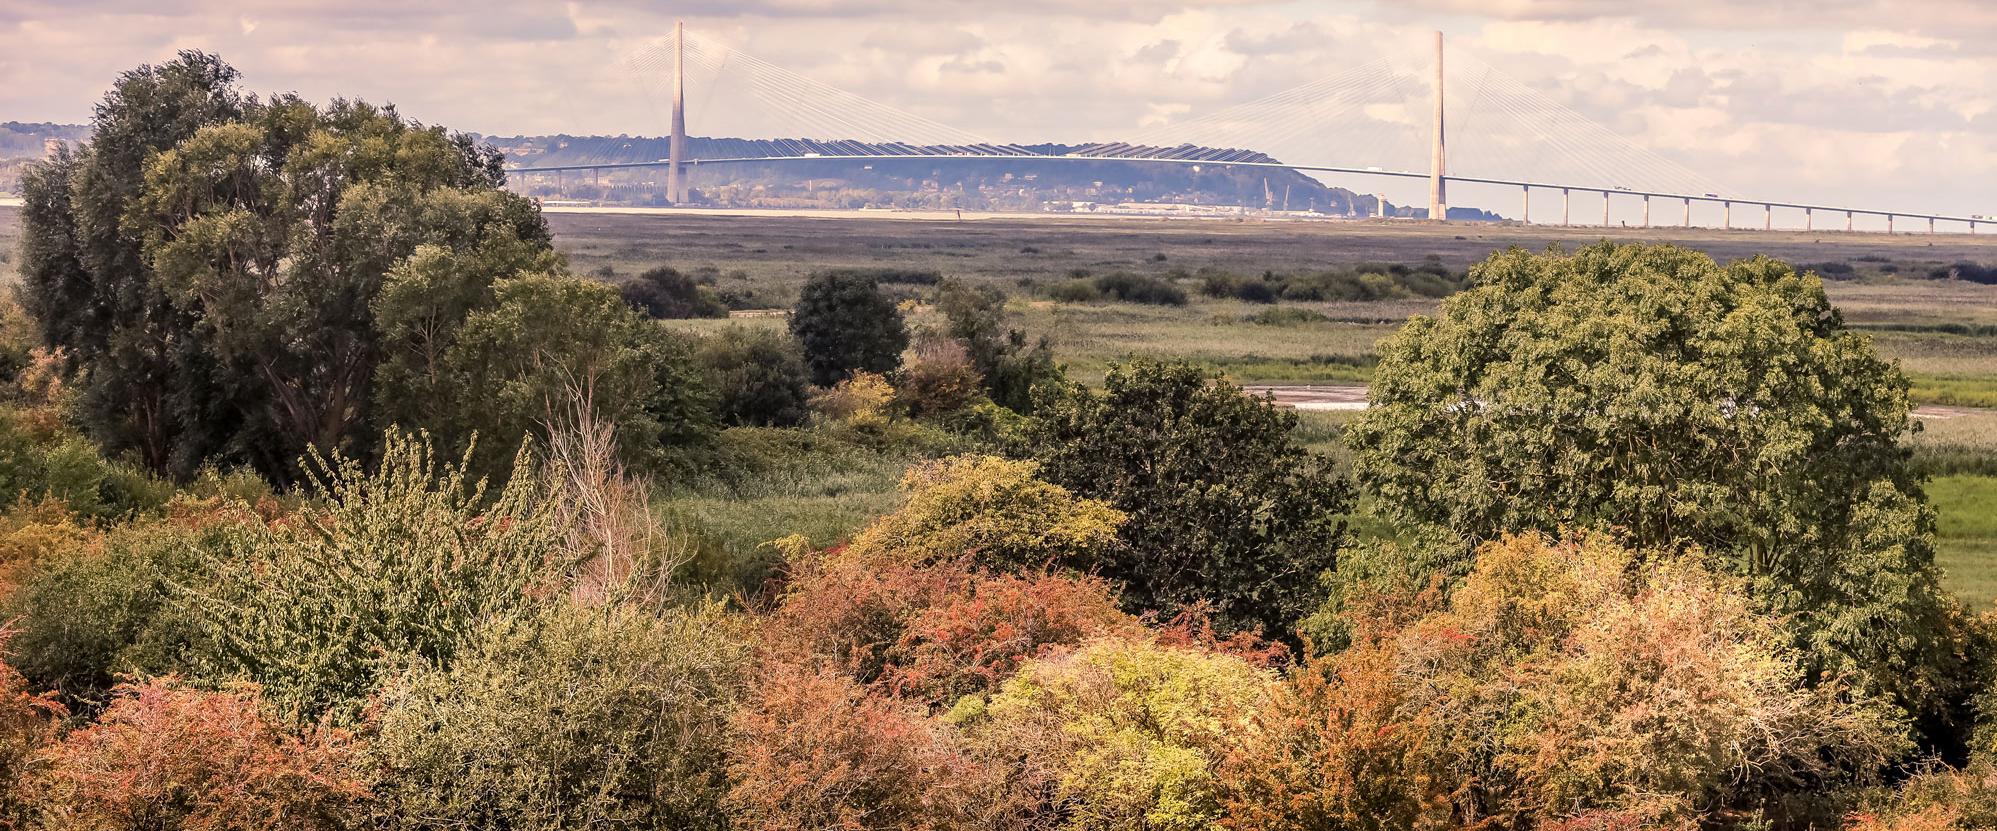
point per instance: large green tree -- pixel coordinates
(280, 229)
(153, 388)
(551, 350)
(845, 324)
(1225, 509)
(1648, 391)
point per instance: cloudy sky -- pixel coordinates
(1889, 103)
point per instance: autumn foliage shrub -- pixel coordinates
(1563, 681)
(816, 750)
(933, 631)
(165, 755)
(27, 723)
(940, 381)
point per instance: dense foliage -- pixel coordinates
(1224, 509)
(664, 292)
(1561, 680)
(758, 377)
(513, 734)
(402, 565)
(846, 325)
(1649, 390)
(1010, 368)
(1651, 553)
(245, 278)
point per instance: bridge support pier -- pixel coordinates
(1688, 211)
(1566, 207)
(1848, 225)
(1727, 216)
(1646, 210)
(1525, 205)
(1931, 225)
(1605, 209)
(1809, 219)
(1889, 223)
(1768, 217)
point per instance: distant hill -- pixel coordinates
(969, 183)
(22, 142)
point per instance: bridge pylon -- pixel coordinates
(676, 146)
(1438, 196)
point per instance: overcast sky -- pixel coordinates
(1875, 102)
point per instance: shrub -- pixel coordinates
(1119, 734)
(1934, 798)
(580, 718)
(59, 464)
(88, 616)
(664, 293)
(1010, 368)
(993, 510)
(814, 750)
(27, 723)
(758, 377)
(940, 381)
(34, 532)
(405, 564)
(1286, 316)
(932, 631)
(1074, 291)
(1559, 680)
(1647, 389)
(1224, 508)
(549, 342)
(846, 325)
(900, 276)
(167, 756)
(860, 401)
(1139, 288)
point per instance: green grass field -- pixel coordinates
(1966, 508)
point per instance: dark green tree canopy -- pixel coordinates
(153, 389)
(1225, 509)
(845, 324)
(1649, 391)
(759, 379)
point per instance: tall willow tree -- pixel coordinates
(152, 387)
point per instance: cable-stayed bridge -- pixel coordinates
(1450, 122)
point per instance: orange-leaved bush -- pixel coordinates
(933, 631)
(165, 755)
(27, 722)
(1562, 682)
(815, 751)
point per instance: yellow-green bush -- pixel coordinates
(577, 718)
(1119, 734)
(994, 510)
